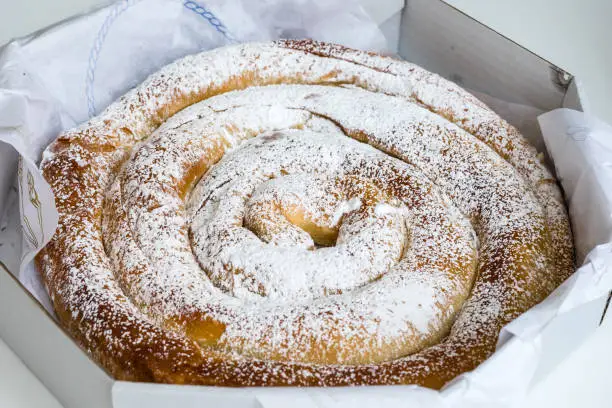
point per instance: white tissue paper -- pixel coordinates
(60, 77)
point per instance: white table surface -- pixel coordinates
(575, 35)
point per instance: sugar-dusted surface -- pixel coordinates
(138, 301)
(373, 296)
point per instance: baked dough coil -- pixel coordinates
(298, 213)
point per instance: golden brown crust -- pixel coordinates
(92, 303)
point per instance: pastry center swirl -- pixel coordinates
(293, 236)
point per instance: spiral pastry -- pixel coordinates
(298, 213)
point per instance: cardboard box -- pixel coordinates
(427, 32)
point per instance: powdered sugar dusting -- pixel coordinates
(348, 206)
(276, 172)
(257, 224)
